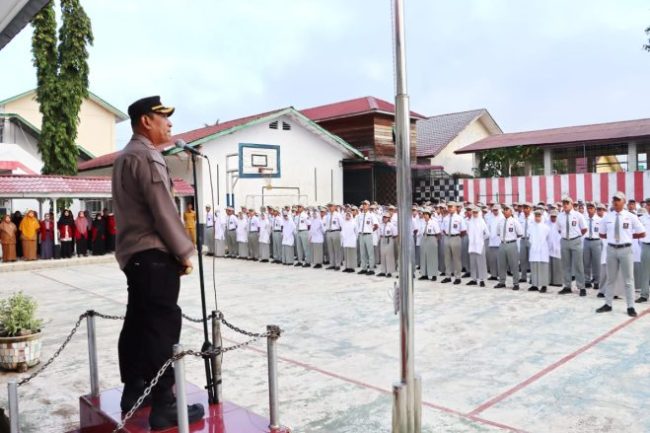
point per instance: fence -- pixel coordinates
(586, 186)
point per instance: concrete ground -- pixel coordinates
(491, 360)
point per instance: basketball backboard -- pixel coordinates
(259, 160)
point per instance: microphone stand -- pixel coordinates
(211, 382)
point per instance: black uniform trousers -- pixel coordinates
(153, 320)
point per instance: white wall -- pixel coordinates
(301, 152)
(464, 163)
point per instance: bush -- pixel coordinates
(17, 316)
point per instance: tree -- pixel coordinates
(500, 162)
(62, 82)
(647, 46)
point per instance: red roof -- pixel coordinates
(353, 107)
(582, 134)
(68, 186)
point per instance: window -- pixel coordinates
(273, 125)
(286, 126)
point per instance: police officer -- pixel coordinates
(153, 250)
(620, 227)
(571, 225)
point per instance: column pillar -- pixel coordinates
(632, 160)
(57, 241)
(548, 162)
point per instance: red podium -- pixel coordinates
(102, 414)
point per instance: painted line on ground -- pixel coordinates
(557, 364)
(459, 414)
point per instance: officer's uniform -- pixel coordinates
(592, 250)
(509, 230)
(571, 226)
(453, 225)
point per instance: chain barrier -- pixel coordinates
(208, 353)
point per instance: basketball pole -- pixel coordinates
(406, 405)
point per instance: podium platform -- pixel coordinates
(102, 414)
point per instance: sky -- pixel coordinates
(533, 64)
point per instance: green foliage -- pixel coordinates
(500, 162)
(647, 46)
(18, 316)
(62, 82)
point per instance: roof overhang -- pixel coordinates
(15, 15)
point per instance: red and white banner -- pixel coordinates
(599, 187)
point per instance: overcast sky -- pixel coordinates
(533, 64)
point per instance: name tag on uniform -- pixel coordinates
(625, 226)
(511, 229)
(388, 232)
(455, 225)
(574, 222)
(302, 221)
(368, 222)
(596, 229)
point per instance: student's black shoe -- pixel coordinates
(596, 286)
(306, 265)
(631, 312)
(604, 309)
(587, 285)
(370, 273)
(515, 287)
(349, 270)
(362, 272)
(493, 279)
(641, 300)
(466, 275)
(388, 276)
(600, 295)
(298, 264)
(481, 284)
(617, 297)
(457, 281)
(446, 280)
(338, 268)
(471, 283)
(330, 268)
(318, 266)
(423, 277)
(564, 291)
(583, 292)
(522, 280)
(166, 416)
(500, 286)
(542, 290)
(509, 274)
(442, 274)
(131, 394)
(533, 289)
(433, 278)
(381, 274)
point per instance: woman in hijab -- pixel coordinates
(47, 237)
(99, 236)
(17, 218)
(66, 228)
(8, 231)
(81, 234)
(29, 230)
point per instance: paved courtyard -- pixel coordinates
(491, 360)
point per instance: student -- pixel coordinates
(288, 239)
(47, 237)
(66, 228)
(539, 256)
(99, 236)
(220, 222)
(253, 230)
(242, 236)
(555, 252)
(81, 234)
(453, 227)
(493, 243)
(8, 238)
(317, 237)
(571, 225)
(429, 248)
(592, 248)
(477, 232)
(509, 230)
(644, 273)
(349, 235)
(231, 232)
(387, 235)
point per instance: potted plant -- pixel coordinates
(20, 333)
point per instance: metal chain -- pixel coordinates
(59, 350)
(240, 330)
(147, 391)
(192, 319)
(106, 316)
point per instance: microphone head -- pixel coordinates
(180, 143)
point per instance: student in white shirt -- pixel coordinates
(253, 235)
(333, 236)
(592, 249)
(288, 239)
(493, 243)
(367, 223)
(301, 221)
(571, 225)
(555, 252)
(453, 227)
(276, 224)
(477, 232)
(620, 227)
(231, 233)
(644, 274)
(429, 247)
(209, 230)
(526, 219)
(387, 235)
(539, 256)
(220, 233)
(349, 234)
(265, 238)
(317, 237)
(242, 236)
(509, 231)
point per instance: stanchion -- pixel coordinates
(417, 409)
(216, 359)
(274, 333)
(181, 398)
(12, 387)
(92, 354)
(399, 408)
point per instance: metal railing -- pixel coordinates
(272, 335)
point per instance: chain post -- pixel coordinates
(273, 332)
(417, 412)
(12, 388)
(216, 359)
(181, 397)
(92, 354)
(399, 408)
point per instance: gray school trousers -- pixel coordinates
(572, 261)
(620, 259)
(387, 247)
(254, 245)
(508, 259)
(367, 251)
(231, 240)
(591, 251)
(493, 261)
(334, 249)
(453, 263)
(644, 274)
(524, 254)
(429, 256)
(277, 245)
(302, 245)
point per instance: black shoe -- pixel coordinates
(493, 279)
(604, 309)
(298, 264)
(362, 272)
(515, 287)
(442, 274)
(533, 289)
(370, 273)
(471, 283)
(596, 286)
(131, 394)
(338, 268)
(587, 285)
(306, 265)
(433, 278)
(318, 266)
(166, 416)
(564, 291)
(583, 292)
(457, 281)
(381, 274)
(348, 270)
(600, 295)
(330, 268)
(522, 280)
(542, 290)
(466, 275)
(423, 277)
(500, 286)
(617, 297)
(631, 312)
(446, 280)
(641, 300)
(388, 276)
(481, 284)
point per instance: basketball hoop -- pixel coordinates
(266, 174)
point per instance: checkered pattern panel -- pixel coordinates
(435, 190)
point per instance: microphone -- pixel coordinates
(182, 145)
